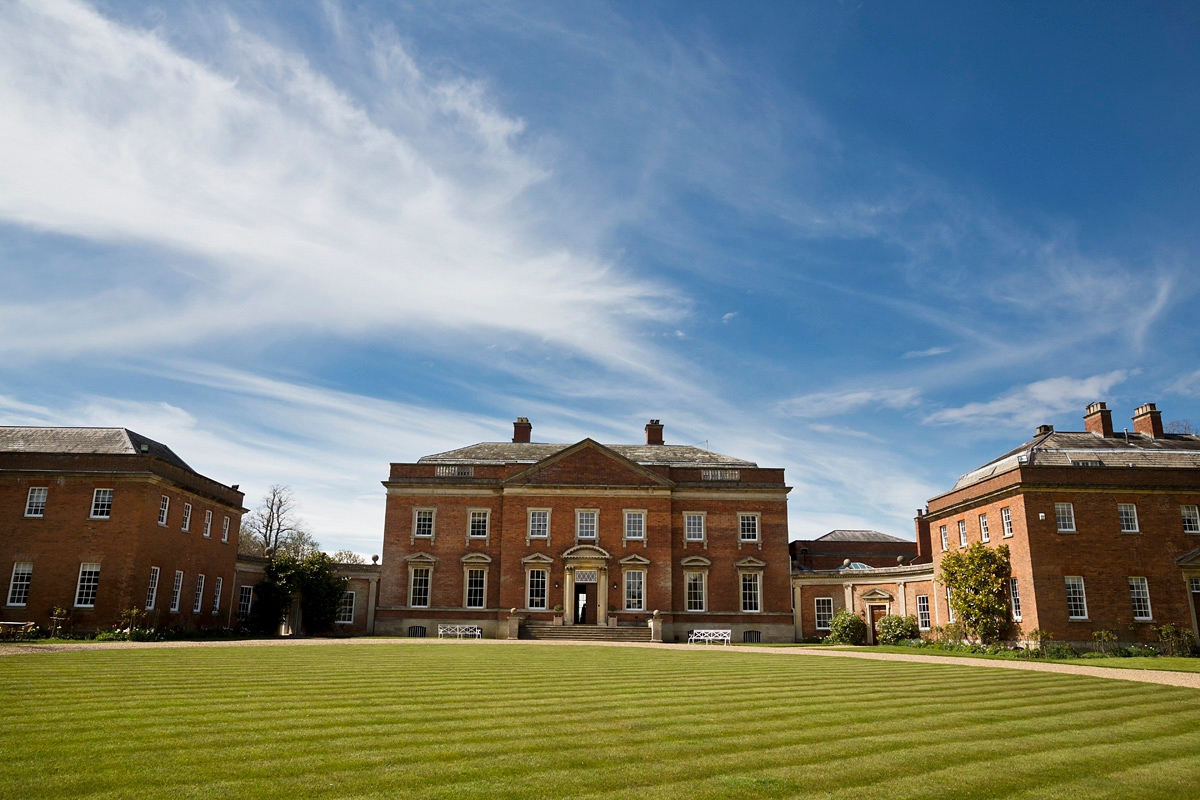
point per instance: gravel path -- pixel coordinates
(1190, 680)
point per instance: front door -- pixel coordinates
(877, 613)
(585, 604)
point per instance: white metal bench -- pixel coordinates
(459, 631)
(707, 637)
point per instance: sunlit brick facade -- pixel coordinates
(608, 534)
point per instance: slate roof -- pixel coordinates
(84, 441)
(674, 455)
(1066, 449)
(859, 536)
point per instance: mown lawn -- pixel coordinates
(474, 719)
(1165, 663)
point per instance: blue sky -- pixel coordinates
(873, 243)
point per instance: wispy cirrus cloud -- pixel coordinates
(264, 200)
(932, 351)
(1032, 404)
(822, 404)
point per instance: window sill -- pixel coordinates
(1079, 619)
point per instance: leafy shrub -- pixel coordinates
(846, 627)
(1173, 640)
(1059, 650)
(1105, 640)
(894, 628)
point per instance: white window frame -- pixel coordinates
(1014, 596)
(537, 523)
(924, 620)
(635, 524)
(19, 583)
(1191, 518)
(531, 588)
(695, 522)
(164, 508)
(945, 538)
(1139, 589)
(245, 601)
(635, 589)
(345, 610)
(152, 589)
(984, 534)
(425, 574)
(176, 590)
(823, 612)
(743, 531)
(419, 519)
(225, 530)
(207, 524)
(198, 602)
(689, 597)
(949, 608)
(217, 595)
(751, 592)
(1064, 517)
(102, 503)
(1078, 592)
(592, 514)
(35, 502)
(962, 533)
(187, 518)
(88, 585)
(1127, 514)
(474, 514)
(1006, 521)
(482, 588)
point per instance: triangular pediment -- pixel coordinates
(634, 559)
(1189, 559)
(421, 557)
(476, 558)
(749, 562)
(537, 558)
(876, 594)
(588, 463)
(589, 551)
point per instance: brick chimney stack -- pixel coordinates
(1098, 419)
(654, 431)
(522, 429)
(1147, 420)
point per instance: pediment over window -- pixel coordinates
(634, 559)
(695, 561)
(749, 562)
(588, 551)
(875, 595)
(421, 557)
(537, 558)
(588, 463)
(476, 558)
(1189, 559)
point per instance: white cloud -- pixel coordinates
(825, 404)
(295, 208)
(933, 351)
(1034, 403)
(729, 316)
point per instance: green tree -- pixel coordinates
(313, 579)
(978, 580)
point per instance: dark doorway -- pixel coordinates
(585, 604)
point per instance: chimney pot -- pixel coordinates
(522, 430)
(1098, 419)
(1147, 420)
(654, 432)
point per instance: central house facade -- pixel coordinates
(585, 534)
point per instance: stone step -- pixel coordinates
(592, 633)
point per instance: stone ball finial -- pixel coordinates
(374, 559)
(846, 563)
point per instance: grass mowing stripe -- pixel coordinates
(426, 720)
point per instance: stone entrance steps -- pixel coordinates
(587, 633)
